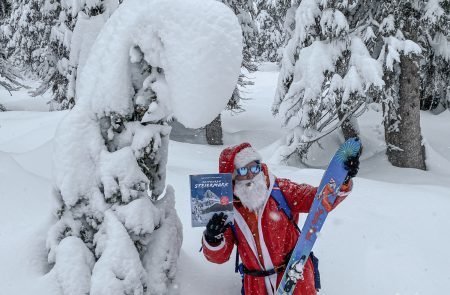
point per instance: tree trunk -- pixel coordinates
(214, 132)
(349, 127)
(404, 141)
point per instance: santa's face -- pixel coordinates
(251, 189)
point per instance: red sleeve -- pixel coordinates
(298, 196)
(219, 253)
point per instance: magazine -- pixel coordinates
(210, 193)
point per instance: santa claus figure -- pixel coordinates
(263, 234)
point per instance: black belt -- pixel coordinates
(264, 273)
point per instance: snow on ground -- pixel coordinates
(389, 237)
(22, 100)
(256, 124)
(26, 205)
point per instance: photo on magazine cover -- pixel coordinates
(210, 193)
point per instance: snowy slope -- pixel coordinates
(26, 210)
(22, 101)
(389, 237)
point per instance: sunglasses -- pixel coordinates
(254, 169)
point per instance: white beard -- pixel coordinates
(252, 193)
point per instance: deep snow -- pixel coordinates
(389, 236)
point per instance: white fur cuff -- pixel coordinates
(246, 156)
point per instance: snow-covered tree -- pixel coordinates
(289, 23)
(28, 32)
(9, 76)
(327, 74)
(5, 9)
(71, 37)
(11, 27)
(245, 12)
(398, 29)
(435, 59)
(271, 31)
(57, 78)
(117, 231)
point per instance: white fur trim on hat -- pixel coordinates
(246, 156)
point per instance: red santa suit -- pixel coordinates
(265, 238)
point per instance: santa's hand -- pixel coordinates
(352, 167)
(215, 228)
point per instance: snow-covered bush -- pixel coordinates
(327, 74)
(114, 209)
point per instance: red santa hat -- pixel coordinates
(237, 157)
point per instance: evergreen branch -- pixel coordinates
(339, 124)
(286, 121)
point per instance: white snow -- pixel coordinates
(309, 75)
(368, 68)
(334, 22)
(396, 46)
(118, 271)
(201, 63)
(83, 37)
(74, 266)
(388, 237)
(139, 216)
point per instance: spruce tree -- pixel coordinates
(399, 30)
(62, 77)
(245, 13)
(28, 31)
(434, 39)
(327, 74)
(271, 33)
(117, 231)
(9, 76)
(5, 9)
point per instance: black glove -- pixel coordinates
(215, 228)
(352, 167)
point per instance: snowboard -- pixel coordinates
(324, 199)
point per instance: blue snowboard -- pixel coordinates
(325, 197)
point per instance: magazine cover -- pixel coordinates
(210, 193)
